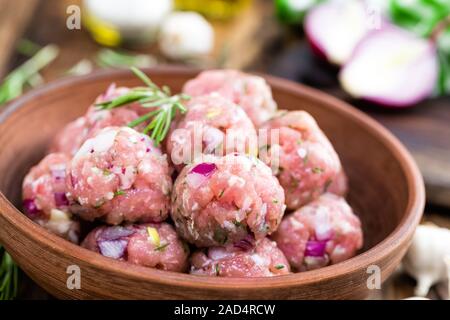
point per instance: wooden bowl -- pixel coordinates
(386, 191)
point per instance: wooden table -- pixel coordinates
(253, 41)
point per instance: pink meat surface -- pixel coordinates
(73, 135)
(138, 244)
(212, 125)
(223, 199)
(339, 185)
(323, 232)
(118, 175)
(307, 162)
(44, 197)
(260, 259)
(250, 92)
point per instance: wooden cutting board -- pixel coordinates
(14, 17)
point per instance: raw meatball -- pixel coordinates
(243, 259)
(225, 199)
(149, 245)
(322, 232)
(44, 197)
(307, 162)
(118, 175)
(339, 185)
(73, 135)
(248, 91)
(217, 125)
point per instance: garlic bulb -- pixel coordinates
(186, 35)
(425, 258)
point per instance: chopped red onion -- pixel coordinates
(115, 233)
(109, 93)
(73, 180)
(31, 210)
(205, 169)
(315, 248)
(58, 174)
(61, 199)
(324, 233)
(113, 249)
(245, 244)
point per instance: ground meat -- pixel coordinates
(118, 175)
(44, 197)
(212, 125)
(248, 91)
(149, 245)
(339, 186)
(323, 232)
(224, 199)
(249, 259)
(73, 135)
(307, 162)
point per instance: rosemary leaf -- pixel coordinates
(13, 84)
(164, 106)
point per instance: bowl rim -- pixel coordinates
(401, 234)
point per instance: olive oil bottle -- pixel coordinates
(213, 9)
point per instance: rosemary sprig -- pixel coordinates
(159, 100)
(107, 58)
(14, 83)
(9, 276)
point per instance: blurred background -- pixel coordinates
(351, 49)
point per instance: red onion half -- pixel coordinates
(335, 27)
(392, 67)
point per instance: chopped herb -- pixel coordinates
(327, 185)
(162, 247)
(99, 204)
(221, 193)
(217, 269)
(119, 193)
(305, 159)
(279, 266)
(106, 172)
(185, 247)
(317, 170)
(294, 184)
(220, 236)
(237, 223)
(299, 141)
(275, 201)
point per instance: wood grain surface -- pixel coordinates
(14, 18)
(389, 209)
